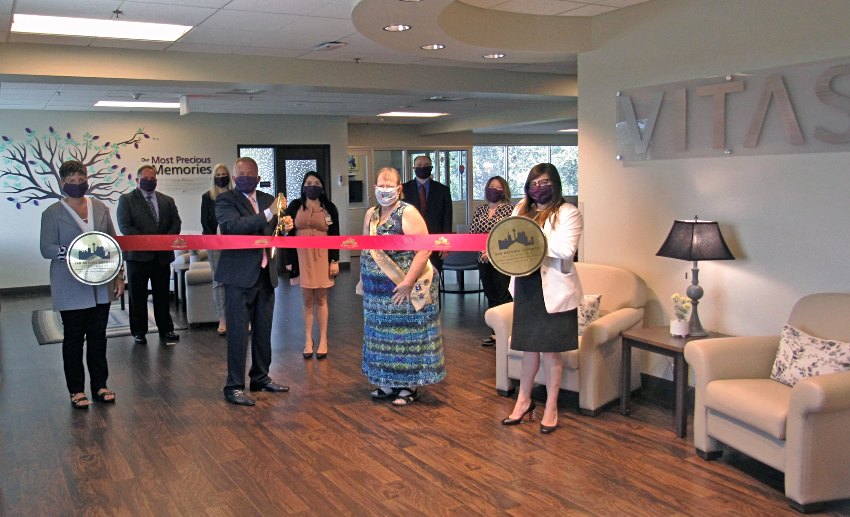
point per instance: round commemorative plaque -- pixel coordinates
(516, 246)
(94, 258)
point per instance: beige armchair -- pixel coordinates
(801, 431)
(594, 369)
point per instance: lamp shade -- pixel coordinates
(695, 240)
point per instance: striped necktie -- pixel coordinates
(152, 207)
(254, 204)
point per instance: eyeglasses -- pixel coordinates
(540, 183)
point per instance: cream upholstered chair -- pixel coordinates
(801, 431)
(594, 369)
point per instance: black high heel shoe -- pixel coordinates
(548, 429)
(515, 421)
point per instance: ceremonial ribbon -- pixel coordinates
(436, 242)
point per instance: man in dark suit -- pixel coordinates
(249, 277)
(433, 200)
(143, 211)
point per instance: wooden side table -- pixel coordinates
(659, 341)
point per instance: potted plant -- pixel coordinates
(681, 310)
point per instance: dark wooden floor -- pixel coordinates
(172, 446)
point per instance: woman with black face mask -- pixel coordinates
(313, 269)
(84, 308)
(545, 319)
(221, 182)
(485, 217)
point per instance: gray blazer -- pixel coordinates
(58, 228)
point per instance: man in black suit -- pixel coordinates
(433, 200)
(249, 277)
(144, 211)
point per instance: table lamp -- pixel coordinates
(695, 240)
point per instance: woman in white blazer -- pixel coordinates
(84, 308)
(545, 319)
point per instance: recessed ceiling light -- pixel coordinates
(64, 26)
(568, 130)
(495, 55)
(137, 104)
(433, 46)
(397, 28)
(411, 114)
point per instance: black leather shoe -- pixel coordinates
(169, 336)
(238, 397)
(140, 339)
(270, 386)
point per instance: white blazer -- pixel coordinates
(561, 287)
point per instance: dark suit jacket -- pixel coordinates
(439, 214)
(135, 218)
(209, 223)
(241, 268)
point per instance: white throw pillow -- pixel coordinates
(801, 355)
(588, 311)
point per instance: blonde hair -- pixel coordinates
(213, 189)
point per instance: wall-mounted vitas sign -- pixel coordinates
(795, 109)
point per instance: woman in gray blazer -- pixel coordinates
(84, 308)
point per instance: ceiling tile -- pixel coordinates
(484, 4)
(308, 32)
(16, 37)
(213, 4)
(273, 52)
(302, 7)
(227, 19)
(164, 13)
(99, 9)
(220, 37)
(538, 7)
(616, 3)
(126, 43)
(207, 48)
(336, 9)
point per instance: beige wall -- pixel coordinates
(785, 217)
(215, 136)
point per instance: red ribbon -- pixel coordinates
(437, 242)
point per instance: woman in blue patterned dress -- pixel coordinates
(402, 339)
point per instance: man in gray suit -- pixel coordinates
(143, 211)
(249, 277)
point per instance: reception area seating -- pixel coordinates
(799, 430)
(593, 370)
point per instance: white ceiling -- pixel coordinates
(292, 29)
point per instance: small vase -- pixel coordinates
(678, 328)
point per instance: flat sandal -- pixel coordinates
(81, 402)
(102, 395)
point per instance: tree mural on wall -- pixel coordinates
(30, 169)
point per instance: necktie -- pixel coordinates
(152, 209)
(257, 210)
(423, 199)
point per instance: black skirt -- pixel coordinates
(534, 329)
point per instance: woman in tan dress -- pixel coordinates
(314, 269)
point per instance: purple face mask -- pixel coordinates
(313, 191)
(147, 184)
(246, 184)
(75, 190)
(541, 194)
(493, 195)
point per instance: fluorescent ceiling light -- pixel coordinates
(433, 46)
(568, 131)
(397, 28)
(63, 26)
(411, 114)
(137, 104)
(497, 55)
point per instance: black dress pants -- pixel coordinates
(495, 284)
(138, 275)
(253, 305)
(89, 326)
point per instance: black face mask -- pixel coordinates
(222, 181)
(313, 191)
(423, 172)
